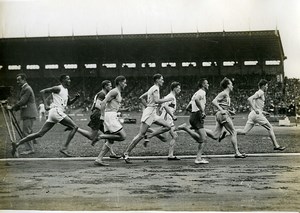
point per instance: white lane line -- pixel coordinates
(150, 157)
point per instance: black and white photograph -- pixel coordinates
(161, 105)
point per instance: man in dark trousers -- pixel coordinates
(27, 106)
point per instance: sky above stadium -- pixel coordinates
(35, 18)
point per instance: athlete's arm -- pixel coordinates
(218, 98)
(251, 100)
(232, 111)
(267, 114)
(169, 112)
(98, 99)
(73, 100)
(199, 105)
(188, 107)
(55, 89)
(143, 100)
(144, 94)
(160, 101)
(111, 95)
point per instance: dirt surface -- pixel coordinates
(226, 184)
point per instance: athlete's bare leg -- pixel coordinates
(230, 128)
(68, 122)
(202, 141)
(270, 129)
(174, 136)
(120, 136)
(199, 135)
(105, 149)
(91, 135)
(165, 126)
(45, 128)
(192, 133)
(142, 132)
(246, 129)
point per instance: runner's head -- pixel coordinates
(226, 83)
(120, 81)
(203, 83)
(175, 86)
(263, 84)
(65, 80)
(158, 79)
(106, 85)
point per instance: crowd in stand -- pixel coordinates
(280, 99)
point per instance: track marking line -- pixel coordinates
(151, 157)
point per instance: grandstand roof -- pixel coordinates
(172, 47)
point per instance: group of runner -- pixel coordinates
(107, 103)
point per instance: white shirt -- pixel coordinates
(114, 104)
(150, 96)
(201, 96)
(60, 100)
(259, 100)
(170, 104)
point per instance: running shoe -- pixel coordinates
(65, 152)
(146, 141)
(100, 163)
(202, 161)
(126, 158)
(115, 156)
(173, 158)
(243, 155)
(280, 148)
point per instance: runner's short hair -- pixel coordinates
(225, 82)
(105, 83)
(200, 82)
(119, 79)
(156, 76)
(262, 82)
(174, 84)
(62, 77)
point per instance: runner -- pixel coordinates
(168, 109)
(112, 127)
(149, 115)
(223, 116)
(197, 116)
(57, 114)
(258, 115)
(96, 123)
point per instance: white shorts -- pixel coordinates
(254, 118)
(55, 115)
(149, 116)
(112, 123)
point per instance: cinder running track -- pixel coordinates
(257, 183)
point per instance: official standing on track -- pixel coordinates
(27, 106)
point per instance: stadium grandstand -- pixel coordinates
(244, 56)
